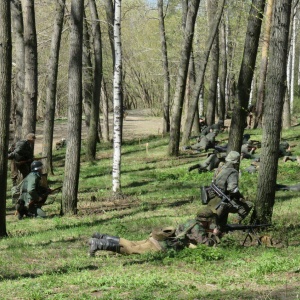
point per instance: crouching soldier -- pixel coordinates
(228, 198)
(201, 230)
(33, 194)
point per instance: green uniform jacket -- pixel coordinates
(31, 189)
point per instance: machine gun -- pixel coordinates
(29, 160)
(249, 229)
(224, 197)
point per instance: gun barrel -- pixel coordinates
(233, 227)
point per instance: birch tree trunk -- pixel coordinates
(181, 78)
(275, 90)
(72, 164)
(164, 51)
(31, 87)
(92, 137)
(18, 98)
(5, 99)
(117, 140)
(52, 86)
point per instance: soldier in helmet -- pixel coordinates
(33, 194)
(201, 230)
(212, 161)
(22, 154)
(226, 178)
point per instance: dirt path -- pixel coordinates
(137, 124)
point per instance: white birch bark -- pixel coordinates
(117, 137)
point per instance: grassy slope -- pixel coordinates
(47, 259)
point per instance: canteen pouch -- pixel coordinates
(206, 194)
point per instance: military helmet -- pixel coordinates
(233, 156)
(285, 145)
(246, 136)
(36, 165)
(204, 214)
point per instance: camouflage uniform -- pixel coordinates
(189, 234)
(227, 179)
(22, 154)
(211, 162)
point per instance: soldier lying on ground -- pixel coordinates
(219, 126)
(283, 187)
(206, 142)
(201, 230)
(211, 162)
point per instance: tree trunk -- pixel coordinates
(5, 99)
(200, 75)
(223, 70)
(263, 66)
(212, 6)
(92, 136)
(275, 90)
(181, 78)
(105, 118)
(31, 87)
(166, 101)
(52, 86)
(17, 31)
(117, 141)
(87, 73)
(72, 169)
(240, 110)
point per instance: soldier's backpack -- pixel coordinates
(161, 234)
(206, 194)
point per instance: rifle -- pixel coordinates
(224, 197)
(44, 198)
(30, 160)
(250, 230)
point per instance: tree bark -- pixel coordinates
(31, 87)
(240, 110)
(263, 66)
(212, 6)
(223, 71)
(275, 90)
(18, 98)
(181, 78)
(164, 51)
(72, 169)
(117, 140)
(92, 136)
(200, 75)
(52, 86)
(5, 100)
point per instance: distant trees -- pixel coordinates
(51, 89)
(5, 100)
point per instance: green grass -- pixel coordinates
(47, 258)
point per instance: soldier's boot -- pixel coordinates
(101, 236)
(191, 168)
(102, 244)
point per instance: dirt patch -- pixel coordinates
(137, 124)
